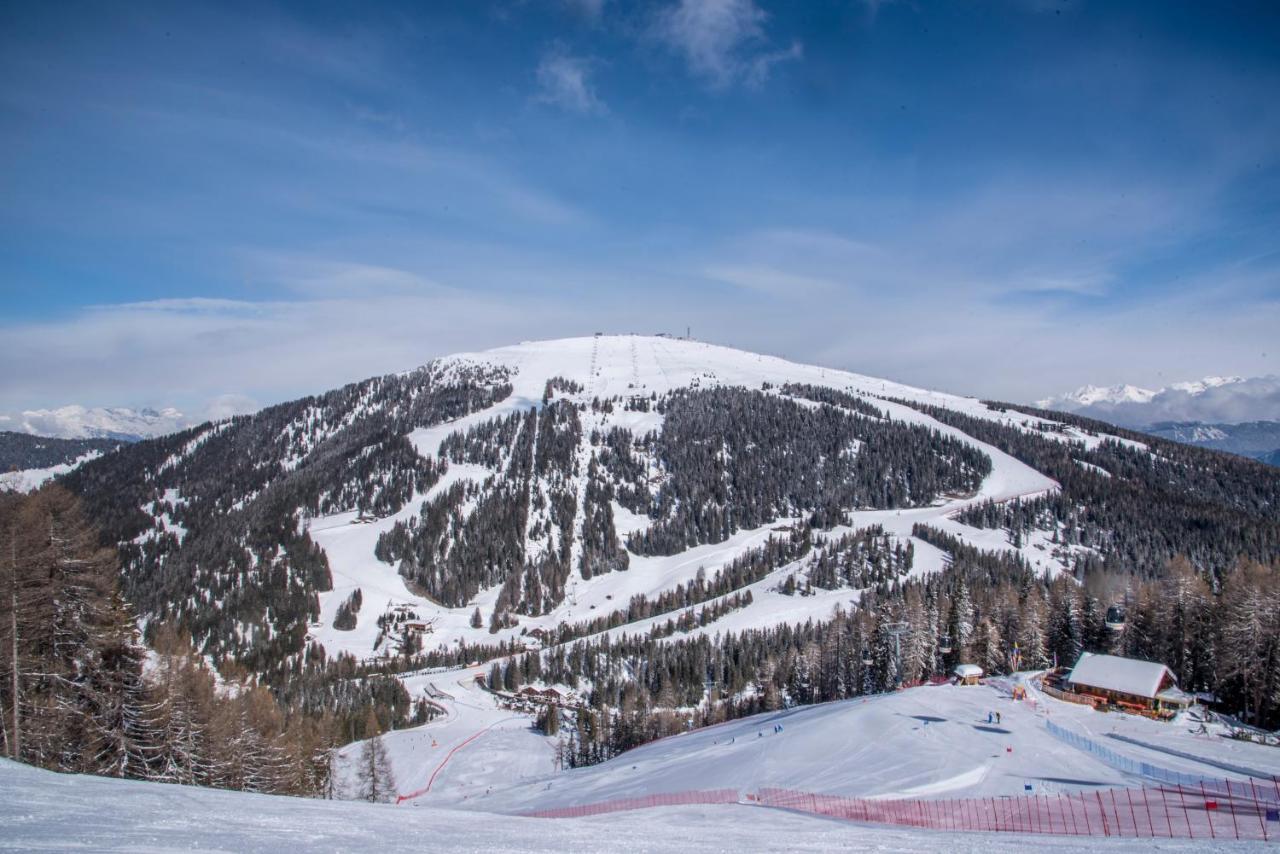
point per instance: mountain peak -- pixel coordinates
(75, 421)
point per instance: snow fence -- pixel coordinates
(1138, 768)
(1211, 809)
(1173, 812)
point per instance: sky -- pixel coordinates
(221, 206)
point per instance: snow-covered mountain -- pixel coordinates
(1235, 414)
(82, 422)
(1091, 395)
(544, 486)
(1115, 396)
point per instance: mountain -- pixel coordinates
(19, 451)
(80, 422)
(1212, 400)
(630, 518)
(1092, 395)
(551, 485)
(1257, 439)
(1233, 414)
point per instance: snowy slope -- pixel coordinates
(26, 480)
(42, 811)
(926, 742)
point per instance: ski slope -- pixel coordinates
(44, 811)
(927, 742)
(631, 365)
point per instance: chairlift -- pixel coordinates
(944, 644)
(866, 657)
(1115, 618)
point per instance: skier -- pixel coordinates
(989, 718)
(997, 717)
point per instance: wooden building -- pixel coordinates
(1142, 686)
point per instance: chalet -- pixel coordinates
(1142, 686)
(967, 674)
(418, 627)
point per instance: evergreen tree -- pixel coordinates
(375, 782)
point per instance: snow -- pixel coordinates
(1090, 394)
(1201, 386)
(82, 422)
(29, 480)
(928, 742)
(42, 811)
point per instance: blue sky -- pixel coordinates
(221, 206)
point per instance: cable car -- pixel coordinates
(944, 644)
(1115, 618)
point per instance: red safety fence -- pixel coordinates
(1222, 810)
(672, 799)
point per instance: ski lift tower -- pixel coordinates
(896, 631)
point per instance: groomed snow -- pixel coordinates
(42, 811)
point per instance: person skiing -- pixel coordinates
(997, 717)
(989, 718)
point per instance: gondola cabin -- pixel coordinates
(1115, 618)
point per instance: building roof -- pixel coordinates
(1113, 673)
(966, 670)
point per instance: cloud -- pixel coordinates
(722, 41)
(565, 81)
(227, 405)
(592, 10)
(771, 281)
(218, 357)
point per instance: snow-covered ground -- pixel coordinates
(927, 742)
(42, 811)
(922, 743)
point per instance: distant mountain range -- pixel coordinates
(81, 422)
(1235, 414)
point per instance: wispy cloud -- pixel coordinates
(722, 41)
(771, 281)
(592, 10)
(564, 81)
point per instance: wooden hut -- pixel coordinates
(1144, 686)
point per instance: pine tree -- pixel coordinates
(375, 781)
